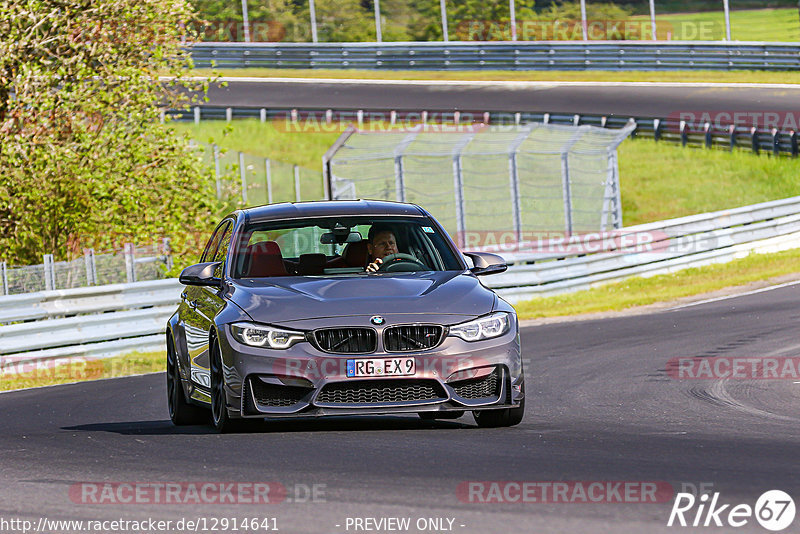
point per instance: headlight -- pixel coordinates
(493, 325)
(257, 335)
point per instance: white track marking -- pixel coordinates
(726, 297)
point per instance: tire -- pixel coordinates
(181, 412)
(220, 419)
(501, 417)
(430, 416)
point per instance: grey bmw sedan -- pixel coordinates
(341, 308)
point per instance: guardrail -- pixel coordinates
(517, 55)
(92, 322)
(687, 133)
(50, 326)
(562, 265)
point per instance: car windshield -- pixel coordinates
(342, 246)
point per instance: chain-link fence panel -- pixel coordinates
(480, 180)
(247, 180)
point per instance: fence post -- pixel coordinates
(443, 9)
(297, 183)
(458, 189)
(49, 273)
(263, 114)
(167, 250)
(684, 134)
(754, 140)
(228, 114)
(727, 13)
(197, 114)
(513, 176)
(91, 268)
(312, 13)
(732, 134)
(657, 130)
(130, 262)
(245, 21)
(513, 11)
(566, 189)
(793, 141)
(776, 142)
(378, 33)
(217, 172)
(399, 179)
(268, 171)
(243, 175)
(4, 277)
(708, 136)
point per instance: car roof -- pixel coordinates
(331, 208)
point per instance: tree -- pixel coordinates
(84, 159)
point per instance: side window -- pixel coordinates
(222, 250)
(211, 247)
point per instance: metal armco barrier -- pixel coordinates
(107, 320)
(528, 55)
(556, 266)
(670, 129)
(92, 322)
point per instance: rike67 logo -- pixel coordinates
(774, 510)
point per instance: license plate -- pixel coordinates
(381, 367)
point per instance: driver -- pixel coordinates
(381, 242)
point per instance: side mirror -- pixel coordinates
(201, 274)
(485, 263)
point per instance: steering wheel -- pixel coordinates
(400, 263)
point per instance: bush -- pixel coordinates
(83, 156)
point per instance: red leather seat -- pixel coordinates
(265, 259)
(355, 254)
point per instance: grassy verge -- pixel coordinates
(80, 369)
(662, 181)
(663, 288)
(773, 25)
(736, 76)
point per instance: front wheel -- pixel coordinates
(220, 419)
(181, 412)
(500, 417)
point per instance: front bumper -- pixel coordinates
(303, 381)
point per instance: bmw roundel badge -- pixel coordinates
(377, 320)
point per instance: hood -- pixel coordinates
(280, 299)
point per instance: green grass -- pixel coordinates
(773, 25)
(80, 369)
(269, 140)
(639, 291)
(738, 76)
(662, 181)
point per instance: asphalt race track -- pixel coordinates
(601, 407)
(626, 99)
